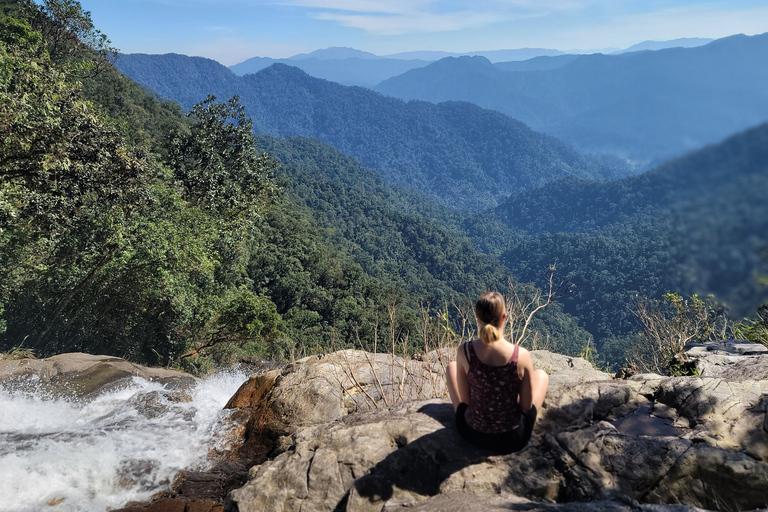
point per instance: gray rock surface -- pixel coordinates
(324, 388)
(729, 359)
(405, 454)
(84, 375)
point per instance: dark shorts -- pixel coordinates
(502, 442)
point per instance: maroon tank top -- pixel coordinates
(493, 392)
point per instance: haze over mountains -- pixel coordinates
(349, 66)
(456, 152)
(643, 106)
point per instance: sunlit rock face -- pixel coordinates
(646, 443)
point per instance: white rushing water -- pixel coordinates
(65, 456)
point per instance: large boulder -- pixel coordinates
(84, 376)
(358, 433)
(324, 388)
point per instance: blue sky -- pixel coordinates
(231, 31)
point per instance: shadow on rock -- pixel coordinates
(426, 466)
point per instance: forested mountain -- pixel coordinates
(140, 233)
(645, 106)
(399, 236)
(463, 155)
(697, 224)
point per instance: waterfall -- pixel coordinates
(64, 455)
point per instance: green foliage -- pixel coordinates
(112, 241)
(98, 249)
(240, 318)
(399, 237)
(216, 162)
(323, 296)
(70, 37)
(69, 184)
(754, 329)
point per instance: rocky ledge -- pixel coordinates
(84, 376)
(353, 431)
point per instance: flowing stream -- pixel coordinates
(61, 455)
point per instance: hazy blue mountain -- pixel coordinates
(517, 54)
(643, 106)
(430, 55)
(543, 63)
(363, 71)
(684, 42)
(178, 77)
(335, 53)
(349, 66)
(463, 155)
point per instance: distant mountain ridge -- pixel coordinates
(683, 42)
(353, 70)
(349, 66)
(335, 53)
(459, 153)
(645, 106)
(492, 55)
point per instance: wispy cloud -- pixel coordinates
(221, 29)
(415, 22)
(393, 17)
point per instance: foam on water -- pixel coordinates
(125, 445)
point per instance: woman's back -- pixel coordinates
(494, 388)
(497, 354)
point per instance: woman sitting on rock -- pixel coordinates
(494, 389)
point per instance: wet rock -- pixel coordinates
(85, 376)
(648, 420)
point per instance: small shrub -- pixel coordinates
(668, 326)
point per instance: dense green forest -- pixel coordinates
(462, 155)
(697, 224)
(130, 229)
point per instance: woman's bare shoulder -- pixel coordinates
(523, 355)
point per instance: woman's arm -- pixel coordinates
(461, 377)
(525, 371)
